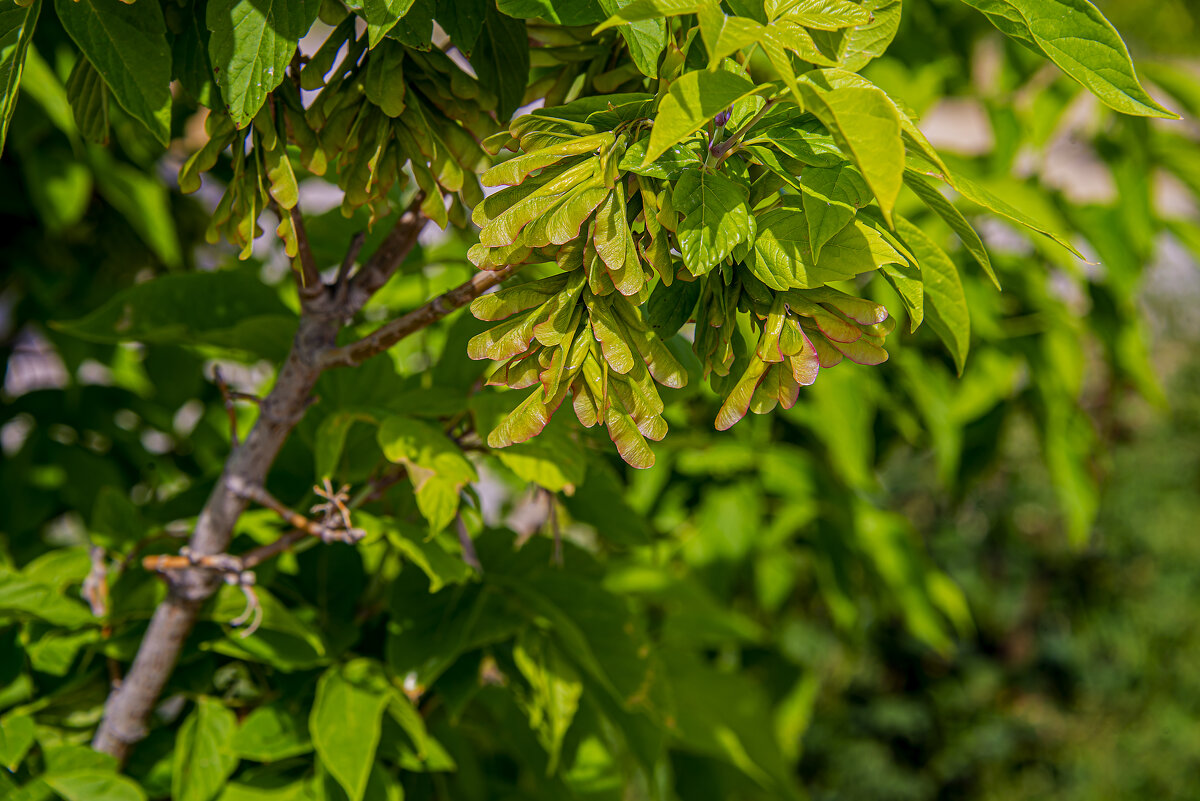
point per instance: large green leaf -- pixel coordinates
(669, 307)
(555, 688)
(945, 302)
(823, 15)
(865, 123)
(226, 309)
(94, 785)
(716, 218)
(863, 43)
(646, 39)
(462, 20)
(127, 44)
(831, 197)
(639, 10)
(16, 738)
(204, 756)
(271, 733)
(251, 45)
(559, 12)
(16, 32)
(1077, 37)
(143, 200)
(23, 598)
(725, 35)
(981, 196)
(694, 99)
(346, 721)
(782, 257)
(501, 60)
(954, 218)
(381, 16)
(437, 468)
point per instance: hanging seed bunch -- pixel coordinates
(727, 234)
(377, 116)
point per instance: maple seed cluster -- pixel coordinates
(622, 233)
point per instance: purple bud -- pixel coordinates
(723, 117)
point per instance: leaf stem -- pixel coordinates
(722, 150)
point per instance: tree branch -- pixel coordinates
(392, 332)
(129, 707)
(386, 259)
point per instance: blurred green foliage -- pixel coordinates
(910, 586)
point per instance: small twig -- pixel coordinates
(552, 514)
(227, 397)
(95, 585)
(309, 284)
(379, 485)
(334, 510)
(392, 332)
(257, 556)
(259, 495)
(386, 259)
(468, 547)
(342, 285)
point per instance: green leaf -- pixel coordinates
(694, 99)
(16, 738)
(823, 15)
(94, 785)
(559, 12)
(739, 733)
(189, 57)
(863, 43)
(981, 196)
(346, 721)
(437, 468)
(865, 123)
(462, 20)
(225, 309)
(646, 39)
(143, 200)
(430, 557)
(554, 460)
(501, 60)
(725, 35)
(271, 733)
(415, 28)
(23, 598)
(555, 689)
(16, 32)
(782, 259)
(831, 197)
(1077, 37)
(331, 439)
(717, 218)
(251, 45)
(669, 307)
(651, 9)
(55, 651)
(204, 757)
(906, 280)
(946, 304)
(89, 101)
(59, 185)
(954, 218)
(127, 43)
(282, 639)
(381, 16)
